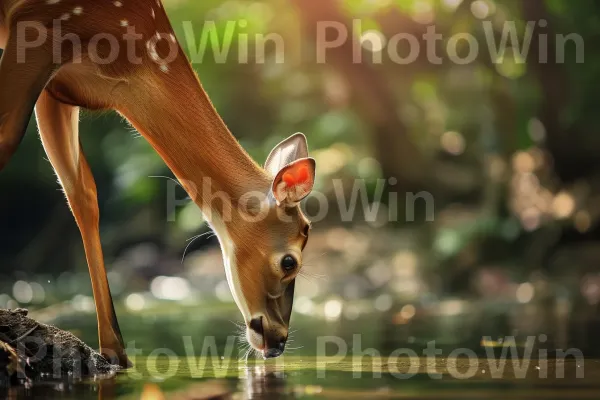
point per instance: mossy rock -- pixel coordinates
(31, 351)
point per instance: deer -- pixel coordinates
(57, 60)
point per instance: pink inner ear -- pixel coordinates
(296, 177)
(302, 175)
(289, 179)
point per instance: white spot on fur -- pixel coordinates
(118, 4)
(124, 22)
(78, 10)
(164, 68)
(152, 50)
(65, 17)
(152, 12)
(52, 1)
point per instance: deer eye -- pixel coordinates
(289, 263)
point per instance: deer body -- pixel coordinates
(165, 102)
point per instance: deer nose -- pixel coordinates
(281, 344)
(277, 350)
(273, 353)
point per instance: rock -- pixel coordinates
(30, 350)
(10, 365)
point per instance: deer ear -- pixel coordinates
(286, 152)
(294, 182)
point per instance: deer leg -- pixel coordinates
(3, 33)
(59, 131)
(21, 82)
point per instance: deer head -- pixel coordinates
(262, 245)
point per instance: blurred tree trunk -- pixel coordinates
(553, 85)
(398, 155)
(575, 155)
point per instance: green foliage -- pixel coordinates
(487, 106)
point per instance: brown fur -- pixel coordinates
(172, 111)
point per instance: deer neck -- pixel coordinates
(183, 126)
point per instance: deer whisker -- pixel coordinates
(191, 240)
